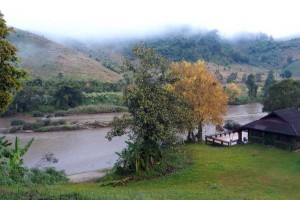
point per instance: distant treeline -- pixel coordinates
(59, 93)
(257, 50)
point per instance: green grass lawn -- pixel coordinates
(238, 172)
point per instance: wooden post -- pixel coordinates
(240, 137)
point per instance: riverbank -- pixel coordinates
(5, 122)
(238, 172)
(86, 177)
(88, 149)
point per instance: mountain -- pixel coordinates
(256, 51)
(45, 58)
(110, 54)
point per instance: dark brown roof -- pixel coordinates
(285, 121)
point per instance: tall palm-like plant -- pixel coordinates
(13, 158)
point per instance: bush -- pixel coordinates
(173, 160)
(4, 175)
(243, 100)
(37, 114)
(93, 109)
(15, 129)
(58, 122)
(60, 114)
(48, 176)
(17, 122)
(27, 126)
(231, 125)
(112, 98)
(58, 128)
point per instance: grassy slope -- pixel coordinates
(45, 58)
(294, 67)
(240, 172)
(240, 69)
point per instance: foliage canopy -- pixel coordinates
(155, 112)
(201, 89)
(232, 91)
(283, 94)
(269, 81)
(10, 76)
(251, 85)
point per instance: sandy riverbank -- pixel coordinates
(91, 176)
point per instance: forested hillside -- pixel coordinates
(45, 58)
(104, 60)
(249, 49)
(256, 49)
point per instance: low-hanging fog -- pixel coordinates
(107, 20)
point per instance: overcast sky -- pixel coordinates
(110, 18)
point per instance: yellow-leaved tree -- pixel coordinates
(205, 94)
(232, 91)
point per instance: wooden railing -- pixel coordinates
(214, 140)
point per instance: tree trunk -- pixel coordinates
(199, 134)
(191, 137)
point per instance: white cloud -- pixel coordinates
(83, 18)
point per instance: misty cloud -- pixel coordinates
(119, 18)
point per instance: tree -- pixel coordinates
(232, 91)
(10, 76)
(68, 95)
(283, 94)
(289, 59)
(207, 97)
(252, 87)
(232, 77)
(286, 74)
(269, 81)
(155, 112)
(258, 77)
(244, 78)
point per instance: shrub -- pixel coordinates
(58, 122)
(93, 109)
(112, 98)
(15, 129)
(62, 121)
(48, 176)
(46, 122)
(60, 114)
(37, 114)
(17, 122)
(58, 128)
(27, 126)
(231, 125)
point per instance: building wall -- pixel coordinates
(273, 139)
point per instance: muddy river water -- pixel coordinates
(88, 150)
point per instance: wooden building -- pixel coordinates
(280, 128)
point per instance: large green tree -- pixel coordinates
(155, 112)
(284, 94)
(68, 94)
(10, 76)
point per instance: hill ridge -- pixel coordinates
(45, 58)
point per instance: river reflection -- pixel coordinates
(88, 150)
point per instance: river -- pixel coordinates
(89, 150)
